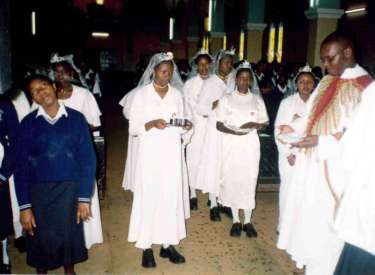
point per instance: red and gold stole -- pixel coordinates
(326, 114)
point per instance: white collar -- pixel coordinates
(354, 72)
(61, 112)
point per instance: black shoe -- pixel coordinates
(5, 269)
(193, 204)
(236, 229)
(20, 244)
(215, 214)
(226, 210)
(250, 230)
(209, 203)
(172, 254)
(148, 259)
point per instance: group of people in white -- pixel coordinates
(325, 201)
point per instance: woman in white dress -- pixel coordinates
(291, 108)
(82, 100)
(158, 210)
(239, 115)
(191, 91)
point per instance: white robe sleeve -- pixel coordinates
(91, 110)
(137, 118)
(282, 119)
(262, 116)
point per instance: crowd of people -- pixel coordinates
(201, 134)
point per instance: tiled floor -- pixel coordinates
(208, 247)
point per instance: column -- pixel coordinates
(323, 16)
(5, 50)
(254, 29)
(217, 26)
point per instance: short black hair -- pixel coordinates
(163, 62)
(239, 71)
(65, 64)
(33, 77)
(200, 56)
(306, 73)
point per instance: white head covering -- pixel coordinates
(305, 69)
(220, 55)
(193, 65)
(55, 58)
(247, 66)
(155, 60)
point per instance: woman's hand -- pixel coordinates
(214, 104)
(291, 159)
(157, 123)
(83, 211)
(28, 221)
(285, 129)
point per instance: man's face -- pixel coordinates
(334, 58)
(42, 92)
(63, 74)
(225, 65)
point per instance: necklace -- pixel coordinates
(160, 87)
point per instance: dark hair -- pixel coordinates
(200, 56)
(65, 64)
(305, 73)
(33, 77)
(163, 62)
(239, 71)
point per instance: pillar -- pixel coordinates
(5, 50)
(217, 26)
(323, 16)
(254, 29)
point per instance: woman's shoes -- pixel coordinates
(172, 254)
(148, 260)
(193, 204)
(236, 229)
(250, 230)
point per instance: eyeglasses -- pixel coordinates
(329, 59)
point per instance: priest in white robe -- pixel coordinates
(355, 219)
(307, 233)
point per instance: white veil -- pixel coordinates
(193, 65)
(254, 87)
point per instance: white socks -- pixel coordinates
(165, 246)
(212, 198)
(5, 251)
(193, 193)
(248, 213)
(235, 214)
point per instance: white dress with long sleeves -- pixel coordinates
(82, 100)
(191, 92)
(208, 175)
(158, 210)
(240, 154)
(307, 233)
(289, 109)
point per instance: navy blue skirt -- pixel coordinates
(6, 218)
(355, 261)
(58, 240)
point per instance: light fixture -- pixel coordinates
(100, 34)
(209, 16)
(33, 23)
(100, 2)
(171, 28)
(356, 10)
